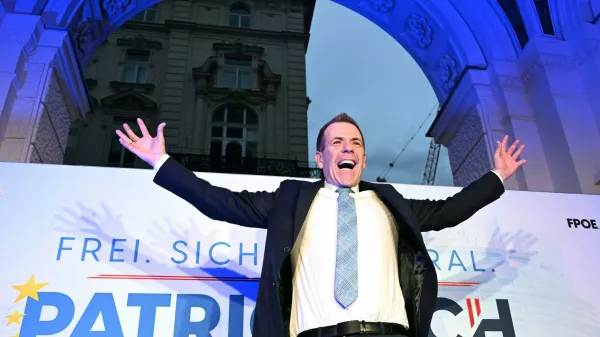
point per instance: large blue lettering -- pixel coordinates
(236, 314)
(148, 304)
(183, 324)
(33, 326)
(101, 303)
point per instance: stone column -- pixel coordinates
(173, 111)
(200, 137)
(509, 113)
(542, 100)
(41, 90)
(464, 128)
(564, 113)
(271, 130)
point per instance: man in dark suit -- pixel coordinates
(342, 256)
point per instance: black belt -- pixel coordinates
(355, 328)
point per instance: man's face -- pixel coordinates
(343, 157)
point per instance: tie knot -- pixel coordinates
(344, 190)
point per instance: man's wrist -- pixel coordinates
(160, 162)
(499, 175)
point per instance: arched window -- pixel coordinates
(239, 16)
(512, 12)
(234, 132)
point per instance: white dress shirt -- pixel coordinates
(379, 299)
(313, 256)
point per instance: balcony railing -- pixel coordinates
(237, 165)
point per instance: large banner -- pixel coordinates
(91, 251)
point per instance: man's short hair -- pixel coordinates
(339, 118)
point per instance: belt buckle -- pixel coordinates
(351, 328)
(363, 328)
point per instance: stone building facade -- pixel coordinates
(228, 78)
(529, 69)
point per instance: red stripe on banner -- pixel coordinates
(477, 307)
(217, 278)
(457, 284)
(172, 278)
(471, 319)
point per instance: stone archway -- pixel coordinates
(493, 74)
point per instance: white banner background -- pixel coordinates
(547, 271)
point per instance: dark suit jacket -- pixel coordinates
(283, 212)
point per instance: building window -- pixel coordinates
(147, 15)
(118, 155)
(511, 9)
(239, 16)
(135, 68)
(234, 132)
(237, 74)
(543, 11)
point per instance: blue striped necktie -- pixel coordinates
(346, 263)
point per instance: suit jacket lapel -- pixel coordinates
(308, 192)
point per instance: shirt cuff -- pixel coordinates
(499, 176)
(160, 162)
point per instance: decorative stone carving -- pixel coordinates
(588, 48)
(382, 5)
(130, 103)
(203, 75)
(115, 7)
(467, 151)
(448, 72)
(83, 35)
(420, 30)
(508, 83)
(268, 80)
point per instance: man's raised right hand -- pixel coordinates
(149, 149)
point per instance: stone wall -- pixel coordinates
(469, 157)
(49, 140)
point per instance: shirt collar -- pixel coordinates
(334, 188)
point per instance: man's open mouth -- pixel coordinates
(346, 164)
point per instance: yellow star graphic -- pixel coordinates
(14, 318)
(17, 335)
(29, 289)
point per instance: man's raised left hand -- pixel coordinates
(505, 160)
